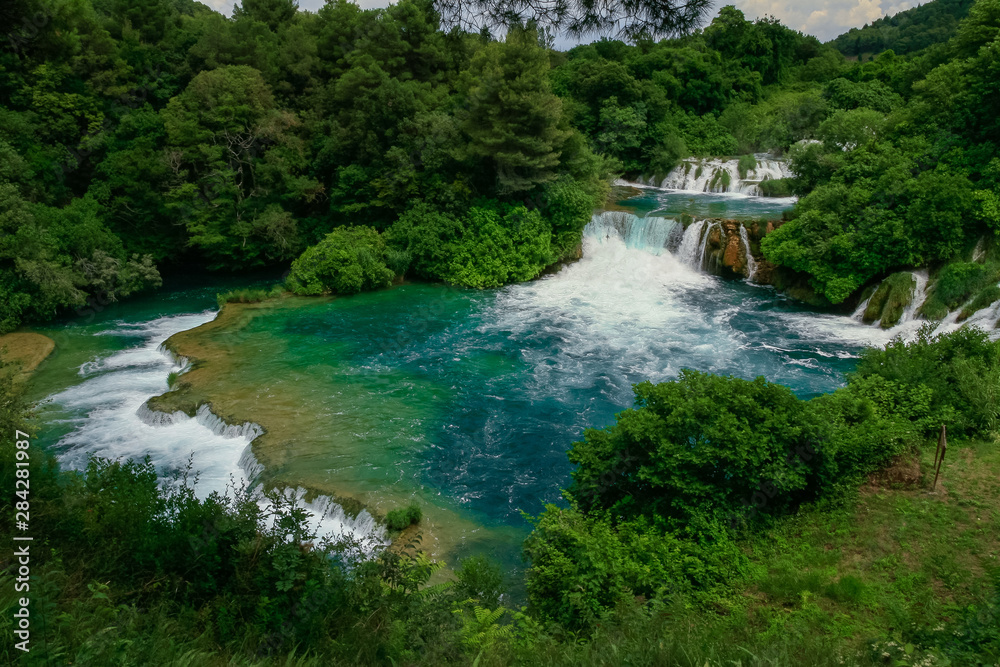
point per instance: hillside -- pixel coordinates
(906, 32)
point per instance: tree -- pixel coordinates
(274, 13)
(628, 19)
(514, 120)
(234, 158)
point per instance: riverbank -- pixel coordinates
(216, 362)
(27, 350)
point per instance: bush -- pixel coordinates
(492, 244)
(347, 261)
(776, 187)
(959, 371)
(480, 579)
(746, 164)
(399, 519)
(582, 565)
(246, 296)
(700, 450)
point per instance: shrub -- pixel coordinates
(347, 261)
(957, 282)
(776, 187)
(243, 296)
(480, 579)
(746, 164)
(399, 519)
(699, 450)
(960, 371)
(582, 565)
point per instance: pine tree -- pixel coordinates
(514, 118)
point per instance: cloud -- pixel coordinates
(823, 18)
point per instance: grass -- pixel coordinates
(746, 164)
(844, 584)
(248, 295)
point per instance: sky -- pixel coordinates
(823, 18)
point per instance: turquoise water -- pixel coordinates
(464, 400)
(672, 203)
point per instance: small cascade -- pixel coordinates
(691, 250)
(703, 253)
(979, 252)
(859, 312)
(920, 279)
(751, 262)
(652, 234)
(723, 176)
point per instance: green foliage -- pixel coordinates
(583, 565)
(747, 163)
(347, 261)
(775, 187)
(514, 119)
(696, 451)
(398, 519)
(493, 244)
(957, 370)
(482, 580)
(983, 299)
(906, 31)
(956, 284)
(247, 296)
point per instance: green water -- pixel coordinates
(464, 400)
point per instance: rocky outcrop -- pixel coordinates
(727, 253)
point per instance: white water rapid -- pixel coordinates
(721, 176)
(109, 418)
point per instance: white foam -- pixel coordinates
(699, 175)
(111, 419)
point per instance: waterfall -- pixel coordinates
(920, 279)
(703, 253)
(690, 251)
(110, 417)
(722, 176)
(751, 262)
(859, 312)
(979, 252)
(652, 234)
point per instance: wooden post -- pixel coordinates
(939, 455)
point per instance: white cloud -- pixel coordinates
(824, 18)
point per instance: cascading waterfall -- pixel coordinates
(751, 262)
(920, 280)
(703, 254)
(691, 250)
(653, 234)
(110, 418)
(722, 176)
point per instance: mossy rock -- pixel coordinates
(890, 300)
(983, 299)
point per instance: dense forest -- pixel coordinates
(908, 31)
(138, 138)
(354, 147)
